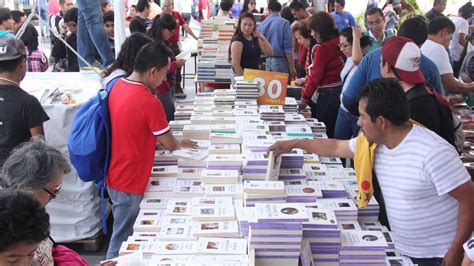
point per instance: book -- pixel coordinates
(221, 246)
(176, 247)
(273, 168)
(264, 187)
(209, 176)
(216, 229)
(213, 213)
(211, 201)
(284, 212)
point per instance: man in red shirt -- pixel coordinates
(174, 41)
(138, 122)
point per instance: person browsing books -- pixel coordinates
(21, 114)
(247, 45)
(138, 122)
(427, 190)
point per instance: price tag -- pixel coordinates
(272, 85)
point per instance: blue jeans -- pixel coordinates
(326, 108)
(125, 208)
(427, 261)
(91, 34)
(168, 104)
(346, 125)
(277, 64)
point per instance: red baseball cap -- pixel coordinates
(405, 56)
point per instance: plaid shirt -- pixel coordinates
(37, 61)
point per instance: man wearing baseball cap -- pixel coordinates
(21, 114)
(400, 59)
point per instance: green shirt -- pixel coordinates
(6, 34)
(376, 44)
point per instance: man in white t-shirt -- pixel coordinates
(440, 32)
(459, 36)
(427, 191)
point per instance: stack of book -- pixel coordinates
(292, 174)
(198, 132)
(222, 246)
(299, 132)
(277, 234)
(224, 72)
(236, 191)
(255, 166)
(370, 212)
(303, 193)
(164, 158)
(272, 113)
(291, 105)
(294, 159)
(224, 162)
(245, 215)
(263, 192)
(345, 209)
(362, 248)
(330, 188)
(295, 119)
(220, 176)
(386, 234)
(246, 90)
(324, 236)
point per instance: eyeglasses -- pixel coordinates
(343, 46)
(54, 194)
(376, 22)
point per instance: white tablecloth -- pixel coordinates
(75, 213)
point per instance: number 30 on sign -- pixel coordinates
(272, 85)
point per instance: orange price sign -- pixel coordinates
(272, 85)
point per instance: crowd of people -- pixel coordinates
(381, 94)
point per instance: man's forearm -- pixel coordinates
(325, 147)
(465, 225)
(189, 31)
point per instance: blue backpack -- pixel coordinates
(90, 140)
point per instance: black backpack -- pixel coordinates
(447, 128)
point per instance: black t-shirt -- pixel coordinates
(19, 111)
(138, 24)
(250, 53)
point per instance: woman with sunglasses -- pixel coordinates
(354, 45)
(39, 169)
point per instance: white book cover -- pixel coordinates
(225, 159)
(153, 213)
(149, 235)
(267, 187)
(209, 176)
(234, 190)
(164, 171)
(303, 191)
(222, 246)
(189, 172)
(224, 149)
(160, 184)
(213, 213)
(361, 239)
(338, 204)
(176, 247)
(179, 208)
(131, 247)
(295, 182)
(154, 203)
(135, 258)
(175, 260)
(349, 225)
(322, 217)
(176, 221)
(178, 233)
(333, 185)
(216, 229)
(246, 214)
(146, 224)
(292, 172)
(191, 154)
(211, 201)
(273, 169)
(291, 212)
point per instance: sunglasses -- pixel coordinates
(54, 194)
